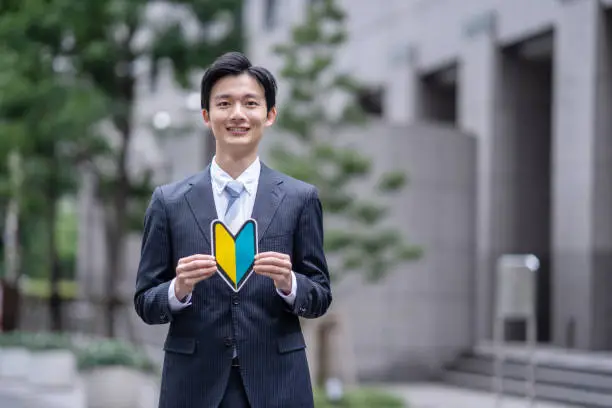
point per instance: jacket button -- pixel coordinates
(228, 342)
(235, 300)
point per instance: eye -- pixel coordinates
(252, 103)
(223, 104)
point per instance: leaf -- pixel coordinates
(367, 213)
(353, 162)
(392, 181)
(337, 239)
(354, 234)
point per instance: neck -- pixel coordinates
(235, 164)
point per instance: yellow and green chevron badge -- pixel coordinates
(235, 255)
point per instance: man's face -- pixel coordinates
(237, 113)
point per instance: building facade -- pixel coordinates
(532, 82)
(501, 113)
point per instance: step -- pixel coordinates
(595, 380)
(571, 377)
(544, 392)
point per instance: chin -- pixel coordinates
(241, 146)
(239, 141)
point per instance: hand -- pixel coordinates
(277, 267)
(191, 270)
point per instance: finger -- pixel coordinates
(188, 259)
(199, 278)
(283, 263)
(199, 272)
(194, 281)
(185, 268)
(278, 255)
(195, 257)
(196, 264)
(272, 254)
(270, 269)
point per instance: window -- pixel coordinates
(371, 100)
(270, 14)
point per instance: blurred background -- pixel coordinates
(441, 135)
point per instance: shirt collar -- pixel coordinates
(249, 177)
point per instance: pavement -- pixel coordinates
(416, 395)
(14, 395)
(9, 401)
(446, 396)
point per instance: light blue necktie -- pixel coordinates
(233, 189)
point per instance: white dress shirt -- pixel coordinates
(250, 179)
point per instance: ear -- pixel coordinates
(271, 116)
(206, 117)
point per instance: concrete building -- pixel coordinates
(530, 81)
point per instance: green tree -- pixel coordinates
(99, 44)
(46, 121)
(103, 42)
(356, 234)
(356, 237)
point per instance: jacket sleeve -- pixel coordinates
(313, 296)
(155, 270)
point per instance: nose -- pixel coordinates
(237, 111)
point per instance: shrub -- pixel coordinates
(45, 341)
(36, 341)
(361, 398)
(110, 352)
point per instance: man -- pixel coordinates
(234, 349)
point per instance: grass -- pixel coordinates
(361, 398)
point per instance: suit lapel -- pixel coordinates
(267, 200)
(202, 203)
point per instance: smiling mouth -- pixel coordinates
(238, 130)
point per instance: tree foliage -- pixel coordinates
(46, 120)
(68, 65)
(356, 233)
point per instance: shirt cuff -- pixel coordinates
(175, 304)
(290, 298)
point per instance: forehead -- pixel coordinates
(236, 86)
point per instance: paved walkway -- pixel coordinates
(8, 401)
(417, 395)
(16, 396)
(443, 396)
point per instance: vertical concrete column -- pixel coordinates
(582, 180)
(478, 89)
(602, 204)
(402, 91)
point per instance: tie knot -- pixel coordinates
(234, 188)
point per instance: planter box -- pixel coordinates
(116, 387)
(73, 397)
(14, 363)
(52, 368)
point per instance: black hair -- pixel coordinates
(236, 63)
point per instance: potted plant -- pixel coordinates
(52, 370)
(116, 374)
(52, 360)
(14, 356)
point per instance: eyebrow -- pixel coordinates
(228, 96)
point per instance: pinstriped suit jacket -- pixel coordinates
(257, 321)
